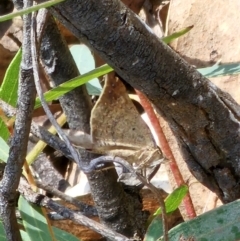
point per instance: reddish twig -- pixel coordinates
(166, 151)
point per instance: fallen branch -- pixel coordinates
(67, 213)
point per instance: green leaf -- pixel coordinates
(85, 63)
(4, 132)
(29, 10)
(64, 88)
(36, 225)
(8, 90)
(174, 200)
(34, 221)
(59, 234)
(176, 35)
(9, 87)
(25, 236)
(154, 230)
(221, 224)
(4, 150)
(219, 70)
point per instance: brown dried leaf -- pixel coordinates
(117, 129)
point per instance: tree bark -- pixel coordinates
(18, 147)
(204, 119)
(116, 209)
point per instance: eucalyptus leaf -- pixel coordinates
(59, 234)
(174, 199)
(4, 132)
(155, 229)
(85, 63)
(172, 202)
(9, 87)
(221, 224)
(34, 221)
(24, 235)
(219, 70)
(36, 225)
(8, 90)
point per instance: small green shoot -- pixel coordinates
(168, 39)
(29, 10)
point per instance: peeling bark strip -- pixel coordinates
(204, 119)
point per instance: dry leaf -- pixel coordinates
(117, 129)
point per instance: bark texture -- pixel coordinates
(18, 147)
(205, 120)
(116, 209)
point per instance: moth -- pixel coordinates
(117, 129)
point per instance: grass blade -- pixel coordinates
(29, 10)
(170, 38)
(64, 88)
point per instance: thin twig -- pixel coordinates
(18, 149)
(40, 132)
(67, 213)
(84, 208)
(52, 140)
(166, 149)
(73, 152)
(33, 57)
